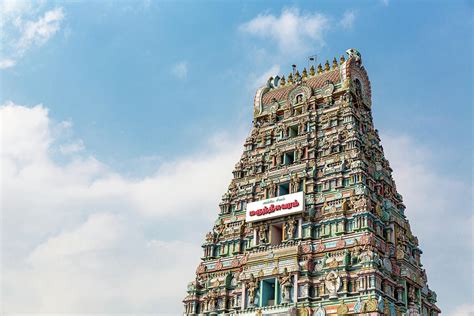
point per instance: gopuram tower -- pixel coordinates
(312, 223)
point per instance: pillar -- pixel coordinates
(243, 298)
(300, 228)
(254, 237)
(295, 288)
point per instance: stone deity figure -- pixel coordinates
(300, 152)
(378, 209)
(272, 190)
(411, 294)
(251, 286)
(294, 184)
(285, 283)
(332, 283)
(212, 301)
(278, 158)
(344, 205)
(262, 234)
(290, 228)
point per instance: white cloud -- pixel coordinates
(348, 19)
(101, 242)
(72, 148)
(40, 31)
(180, 70)
(7, 63)
(24, 26)
(463, 310)
(292, 31)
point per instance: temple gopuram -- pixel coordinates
(311, 223)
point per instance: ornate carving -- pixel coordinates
(332, 283)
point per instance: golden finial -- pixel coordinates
(320, 69)
(282, 81)
(290, 78)
(297, 75)
(311, 70)
(326, 66)
(305, 73)
(342, 60)
(334, 63)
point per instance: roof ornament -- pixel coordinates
(297, 77)
(334, 63)
(270, 82)
(290, 78)
(326, 66)
(354, 53)
(273, 83)
(342, 59)
(311, 70)
(320, 69)
(276, 81)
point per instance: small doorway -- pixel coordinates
(276, 233)
(269, 292)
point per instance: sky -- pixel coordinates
(121, 122)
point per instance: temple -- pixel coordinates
(311, 223)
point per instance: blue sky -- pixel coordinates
(136, 96)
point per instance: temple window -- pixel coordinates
(288, 158)
(319, 188)
(268, 140)
(293, 131)
(283, 188)
(269, 292)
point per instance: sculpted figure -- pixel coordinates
(211, 306)
(293, 184)
(272, 190)
(332, 283)
(290, 225)
(300, 153)
(209, 237)
(262, 234)
(251, 286)
(277, 158)
(411, 294)
(285, 283)
(344, 205)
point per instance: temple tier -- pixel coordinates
(312, 223)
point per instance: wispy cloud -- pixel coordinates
(72, 148)
(24, 28)
(260, 80)
(291, 30)
(347, 21)
(180, 70)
